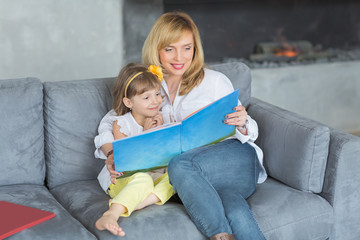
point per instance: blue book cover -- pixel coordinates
(155, 148)
(206, 126)
(150, 150)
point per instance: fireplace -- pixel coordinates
(304, 55)
(238, 28)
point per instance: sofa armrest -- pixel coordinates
(342, 184)
(295, 148)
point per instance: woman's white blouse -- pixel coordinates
(215, 85)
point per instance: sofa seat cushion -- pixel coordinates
(86, 201)
(62, 226)
(286, 213)
(21, 132)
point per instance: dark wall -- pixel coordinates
(231, 28)
(138, 17)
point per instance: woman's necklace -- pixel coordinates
(172, 89)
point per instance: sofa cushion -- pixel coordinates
(86, 201)
(72, 113)
(62, 226)
(21, 132)
(341, 186)
(240, 77)
(283, 212)
(295, 148)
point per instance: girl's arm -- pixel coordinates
(105, 137)
(107, 148)
(116, 131)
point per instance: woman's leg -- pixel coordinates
(203, 177)
(237, 210)
(240, 217)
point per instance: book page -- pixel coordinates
(156, 147)
(206, 125)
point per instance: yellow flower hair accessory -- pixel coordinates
(157, 71)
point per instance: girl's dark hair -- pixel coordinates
(140, 84)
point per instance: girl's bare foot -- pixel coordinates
(109, 222)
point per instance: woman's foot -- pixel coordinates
(109, 222)
(222, 236)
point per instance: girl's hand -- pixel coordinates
(152, 122)
(237, 118)
(149, 123)
(158, 118)
(111, 168)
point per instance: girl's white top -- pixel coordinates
(129, 127)
(214, 86)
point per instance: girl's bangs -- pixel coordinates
(145, 84)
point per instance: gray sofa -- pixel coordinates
(46, 158)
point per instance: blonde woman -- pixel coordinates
(214, 181)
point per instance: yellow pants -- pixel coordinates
(133, 190)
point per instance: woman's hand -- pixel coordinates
(237, 118)
(111, 168)
(152, 122)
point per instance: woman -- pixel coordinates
(212, 181)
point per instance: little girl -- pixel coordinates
(136, 105)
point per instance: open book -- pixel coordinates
(154, 149)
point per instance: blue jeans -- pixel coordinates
(213, 183)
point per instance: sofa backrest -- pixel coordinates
(240, 77)
(72, 113)
(21, 132)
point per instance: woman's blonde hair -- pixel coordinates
(138, 85)
(169, 28)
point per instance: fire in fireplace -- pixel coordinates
(251, 29)
(288, 51)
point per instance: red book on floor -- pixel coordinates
(15, 217)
